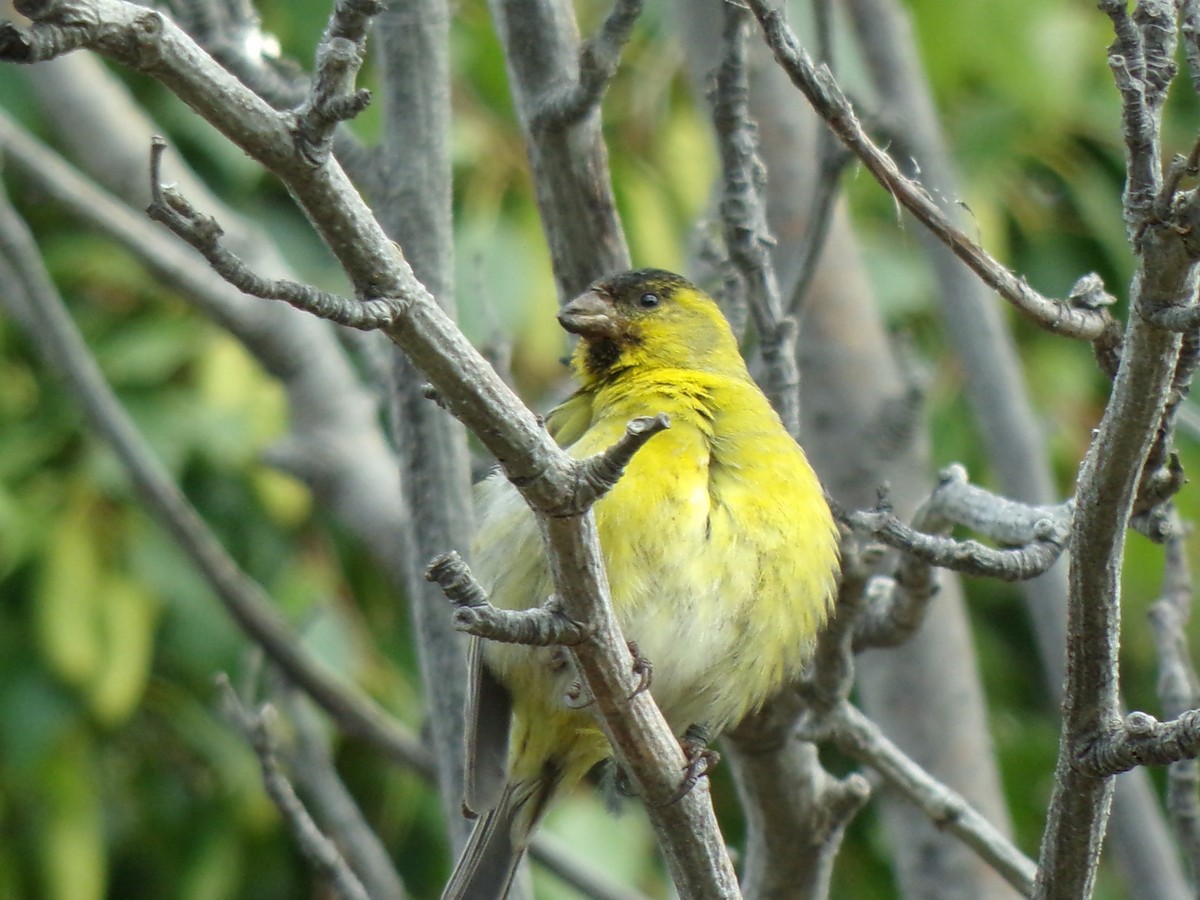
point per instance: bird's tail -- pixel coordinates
(488, 863)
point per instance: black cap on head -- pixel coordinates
(626, 283)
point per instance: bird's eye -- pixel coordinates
(648, 301)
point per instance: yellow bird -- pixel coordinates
(720, 551)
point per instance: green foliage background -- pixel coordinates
(117, 777)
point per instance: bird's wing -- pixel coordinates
(489, 709)
(570, 420)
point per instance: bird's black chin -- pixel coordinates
(602, 356)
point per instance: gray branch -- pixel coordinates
(1106, 490)
(833, 157)
(333, 98)
(232, 33)
(748, 238)
(311, 763)
(570, 164)
(833, 670)
(1178, 690)
(832, 717)
(1011, 431)
(598, 62)
(815, 804)
(173, 210)
(1189, 22)
(411, 192)
(1141, 59)
(597, 475)
(834, 160)
(826, 97)
(1040, 532)
(256, 727)
(896, 606)
(858, 737)
(543, 626)
(1142, 740)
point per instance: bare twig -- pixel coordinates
(23, 45)
(1189, 23)
(1162, 473)
(1142, 740)
(832, 671)
(333, 97)
(858, 737)
(1141, 59)
(834, 158)
(543, 626)
(572, 183)
(1175, 318)
(743, 212)
(896, 606)
(826, 97)
(410, 190)
(747, 236)
(1043, 548)
(204, 233)
(1010, 523)
(1178, 691)
(597, 475)
(1107, 484)
(256, 727)
(233, 34)
(309, 759)
(815, 804)
(598, 61)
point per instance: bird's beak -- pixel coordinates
(590, 315)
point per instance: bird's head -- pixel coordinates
(649, 318)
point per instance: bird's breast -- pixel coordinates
(720, 565)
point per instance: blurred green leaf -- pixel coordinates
(129, 614)
(216, 866)
(72, 853)
(149, 351)
(67, 598)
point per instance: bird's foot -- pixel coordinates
(578, 696)
(701, 760)
(642, 668)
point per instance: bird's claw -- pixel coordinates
(701, 760)
(578, 696)
(642, 668)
